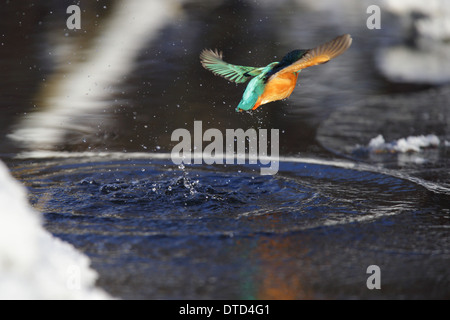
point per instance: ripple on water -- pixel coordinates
(150, 194)
(155, 230)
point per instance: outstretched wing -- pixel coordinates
(212, 60)
(319, 55)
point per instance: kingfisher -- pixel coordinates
(277, 80)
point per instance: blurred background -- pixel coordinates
(131, 75)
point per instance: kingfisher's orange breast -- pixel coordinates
(277, 88)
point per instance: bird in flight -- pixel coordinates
(277, 80)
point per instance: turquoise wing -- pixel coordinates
(254, 89)
(212, 60)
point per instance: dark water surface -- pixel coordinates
(154, 230)
(86, 125)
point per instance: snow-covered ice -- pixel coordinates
(428, 60)
(33, 263)
(409, 144)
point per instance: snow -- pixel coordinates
(33, 263)
(434, 24)
(403, 145)
(428, 61)
(405, 64)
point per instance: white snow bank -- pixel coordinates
(33, 263)
(406, 64)
(435, 22)
(409, 144)
(428, 61)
